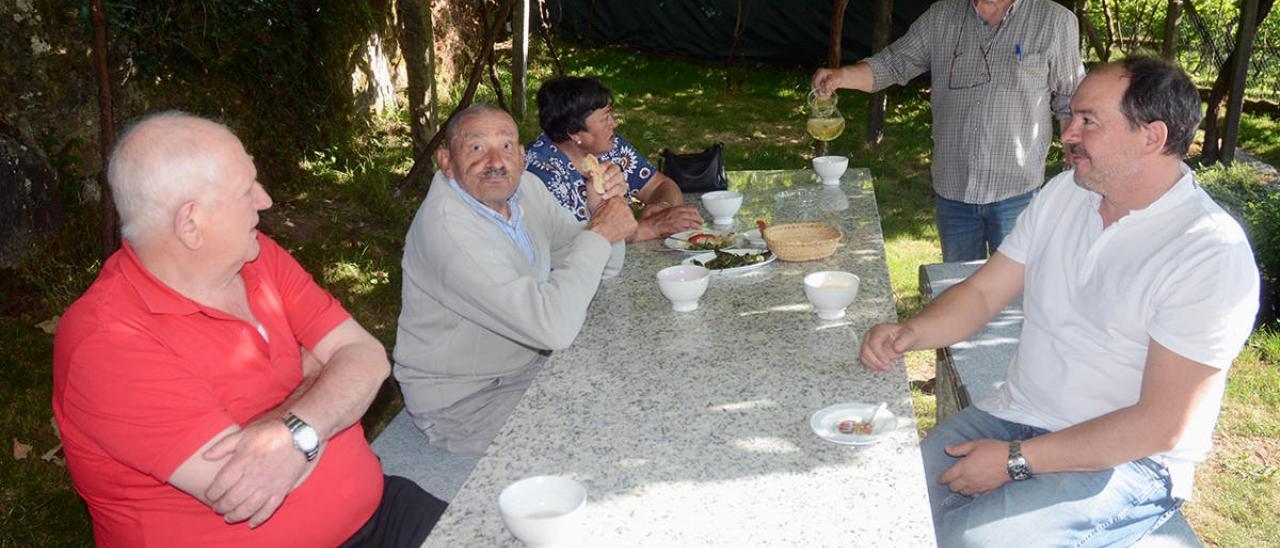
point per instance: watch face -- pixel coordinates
(306, 438)
(1018, 469)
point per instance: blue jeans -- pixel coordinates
(972, 232)
(1110, 507)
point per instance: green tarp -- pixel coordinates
(778, 31)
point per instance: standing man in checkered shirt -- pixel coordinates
(999, 69)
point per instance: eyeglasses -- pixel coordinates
(969, 66)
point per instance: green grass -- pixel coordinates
(1260, 135)
(341, 218)
(1238, 489)
(38, 507)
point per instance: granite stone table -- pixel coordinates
(692, 429)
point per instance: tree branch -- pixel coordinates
(422, 163)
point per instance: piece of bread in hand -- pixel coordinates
(596, 171)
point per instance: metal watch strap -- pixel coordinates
(296, 427)
(1018, 468)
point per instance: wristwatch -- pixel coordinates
(304, 436)
(1018, 468)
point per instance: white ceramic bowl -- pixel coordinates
(684, 285)
(831, 292)
(722, 205)
(830, 168)
(543, 510)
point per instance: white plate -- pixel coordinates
(825, 422)
(704, 257)
(678, 241)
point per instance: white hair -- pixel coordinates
(160, 162)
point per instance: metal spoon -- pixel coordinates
(876, 414)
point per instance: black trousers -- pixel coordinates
(404, 517)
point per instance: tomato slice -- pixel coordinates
(699, 237)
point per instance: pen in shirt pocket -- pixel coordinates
(1017, 50)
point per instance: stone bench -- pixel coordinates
(969, 370)
(405, 452)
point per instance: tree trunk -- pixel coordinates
(418, 46)
(422, 162)
(1172, 16)
(109, 230)
(732, 82)
(544, 25)
(519, 58)
(1240, 73)
(837, 27)
(881, 31)
(1091, 34)
(490, 58)
(496, 82)
(833, 50)
(1113, 34)
(1212, 151)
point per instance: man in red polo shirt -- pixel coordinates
(207, 390)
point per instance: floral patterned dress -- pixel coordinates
(543, 158)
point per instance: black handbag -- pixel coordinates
(697, 172)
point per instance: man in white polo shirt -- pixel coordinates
(1138, 290)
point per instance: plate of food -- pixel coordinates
(699, 241)
(730, 261)
(853, 423)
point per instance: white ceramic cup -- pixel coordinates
(544, 510)
(831, 292)
(683, 285)
(722, 205)
(830, 168)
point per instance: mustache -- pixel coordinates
(497, 171)
(1079, 150)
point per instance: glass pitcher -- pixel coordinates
(825, 121)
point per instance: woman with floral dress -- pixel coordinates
(576, 116)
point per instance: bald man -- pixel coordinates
(207, 390)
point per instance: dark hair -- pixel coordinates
(455, 121)
(565, 103)
(1161, 91)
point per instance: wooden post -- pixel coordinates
(519, 58)
(881, 30)
(1172, 16)
(108, 227)
(1240, 73)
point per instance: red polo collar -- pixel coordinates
(159, 298)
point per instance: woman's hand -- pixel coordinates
(665, 222)
(614, 183)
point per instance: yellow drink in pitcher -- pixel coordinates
(826, 129)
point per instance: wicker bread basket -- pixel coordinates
(802, 241)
